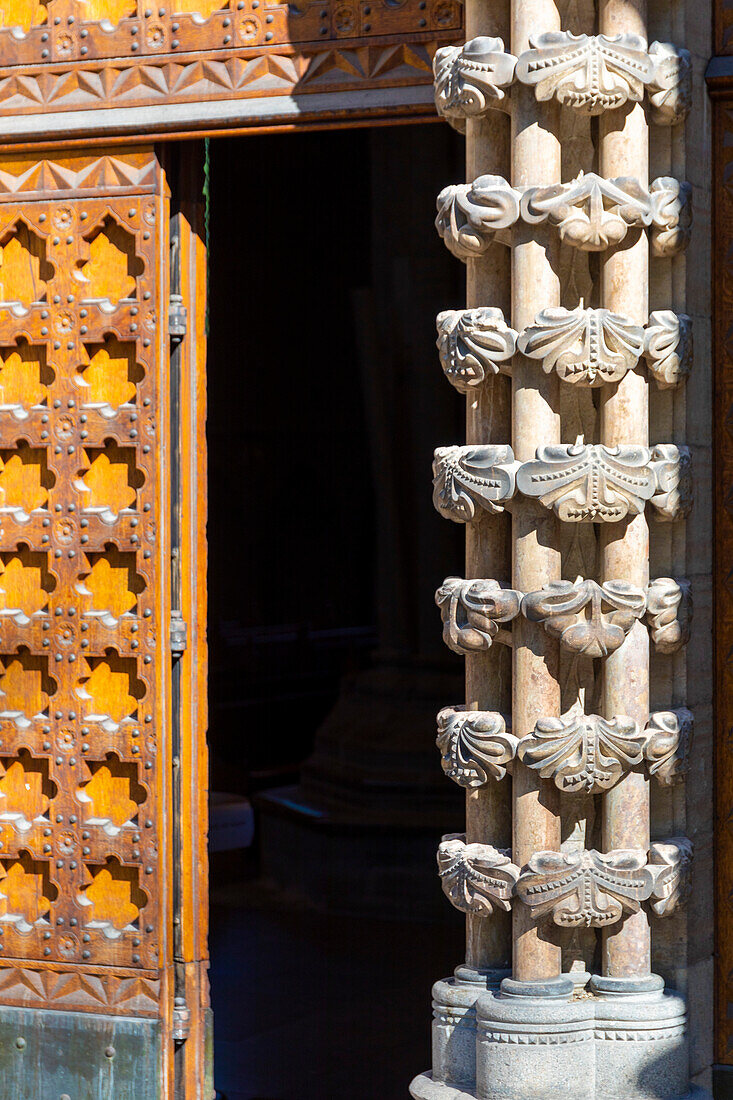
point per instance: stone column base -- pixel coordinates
(425, 1088)
(454, 1024)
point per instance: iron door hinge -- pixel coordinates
(177, 318)
(178, 634)
(181, 1021)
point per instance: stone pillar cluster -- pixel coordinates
(559, 872)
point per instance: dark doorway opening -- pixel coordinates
(325, 399)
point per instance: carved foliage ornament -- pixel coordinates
(472, 610)
(668, 347)
(587, 617)
(476, 878)
(583, 752)
(465, 478)
(474, 745)
(472, 344)
(586, 889)
(669, 613)
(592, 483)
(584, 346)
(470, 213)
(668, 743)
(671, 863)
(470, 78)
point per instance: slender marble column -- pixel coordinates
(624, 151)
(536, 160)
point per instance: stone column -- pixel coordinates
(532, 1033)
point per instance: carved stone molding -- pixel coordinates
(466, 478)
(668, 743)
(587, 617)
(669, 609)
(470, 79)
(474, 745)
(473, 344)
(583, 752)
(585, 889)
(671, 862)
(587, 482)
(673, 496)
(668, 347)
(470, 213)
(472, 610)
(592, 213)
(476, 878)
(584, 346)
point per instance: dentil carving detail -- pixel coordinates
(472, 610)
(587, 482)
(671, 862)
(474, 745)
(476, 878)
(592, 213)
(668, 347)
(469, 78)
(584, 346)
(470, 213)
(465, 478)
(585, 889)
(587, 617)
(669, 613)
(583, 752)
(592, 73)
(472, 344)
(668, 743)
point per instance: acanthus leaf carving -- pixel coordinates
(591, 73)
(584, 346)
(583, 752)
(585, 889)
(472, 610)
(587, 617)
(671, 87)
(470, 78)
(668, 743)
(672, 467)
(587, 482)
(669, 613)
(474, 745)
(466, 478)
(476, 878)
(473, 343)
(671, 863)
(470, 213)
(668, 347)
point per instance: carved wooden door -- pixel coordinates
(101, 846)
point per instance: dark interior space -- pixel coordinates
(324, 553)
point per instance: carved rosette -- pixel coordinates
(585, 889)
(591, 73)
(472, 611)
(476, 878)
(473, 344)
(671, 863)
(474, 745)
(470, 213)
(469, 79)
(583, 752)
(669, 613)
(467, 478)
(584, 346)
(589, 483)
(668, 743)
(588, 618)
(668, 347)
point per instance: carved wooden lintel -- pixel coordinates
(472, 611)
(474, 745)
(476, 878)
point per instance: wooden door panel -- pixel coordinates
(84, 588)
